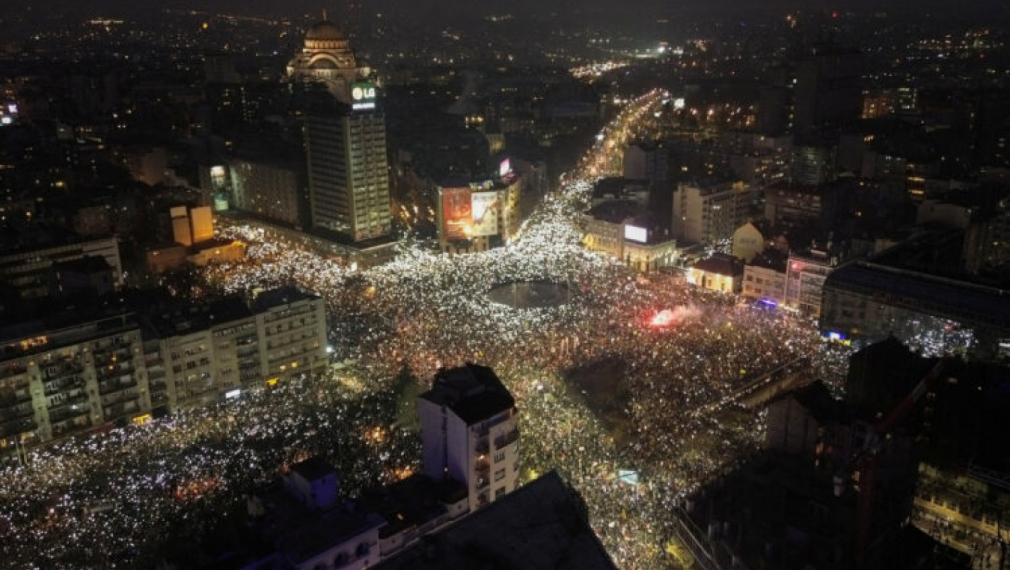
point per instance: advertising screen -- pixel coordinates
(484, 206)
(456, 213)
(504, 167)
(635, 233)
(362, 95)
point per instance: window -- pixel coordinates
(499, 474)
(499, 457)
(499, 493)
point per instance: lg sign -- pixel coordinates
(362, 96)
(363, 92)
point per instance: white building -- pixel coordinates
(470, 433)
(764, 278)
(709, 213)
(805, 277)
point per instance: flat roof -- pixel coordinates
(472, 392)
(928, 293)
(539, 526)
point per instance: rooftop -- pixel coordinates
(720, 264)
(472, 392)
(539, 526)
(313, 468)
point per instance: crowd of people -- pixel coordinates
(104, 501)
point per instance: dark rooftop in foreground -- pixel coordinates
(472, 392)
(540, 526)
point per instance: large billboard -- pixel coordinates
(635, 233)
(457, 220)
(484, 206)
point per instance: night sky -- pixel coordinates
(446, 7)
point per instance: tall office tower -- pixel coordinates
(348, 167)
(827, 89)
(470, 433)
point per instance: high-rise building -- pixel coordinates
(348, 168)
(827, 88)
(270, 188)
(470, 433)
(707, 213)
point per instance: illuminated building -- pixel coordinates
(348, 167)
(813, 165)
(326, 58)
(805, 276)
(117, 365)
(788, 205)
(721, 272)
(470, 433)
(476, 216)
(707, 213)
(192, 225)
(764, 278)
(619, 229)
(59, 379)
(26, 268)
(272, 189)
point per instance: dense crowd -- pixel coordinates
(103, 500)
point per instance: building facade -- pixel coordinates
(710, 213)
(273, 190)
(470, 433)
(348, 171)
(27, 269)
(805, 276)
(121, 366)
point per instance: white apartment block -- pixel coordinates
(709, 213)
(470, 433)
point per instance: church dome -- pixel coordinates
(325, 31)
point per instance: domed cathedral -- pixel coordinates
(327, 58)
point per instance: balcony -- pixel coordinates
(70, 425)
(67, 411)
(18, 426)
(121, 383)
(507, 439)
(62, 368)
(111, 370)
(121, 409)
(11, 397)
(16, 412)
(482, 465)
(63, 384)
(115, 397)
(483, 483)
(482, 447)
